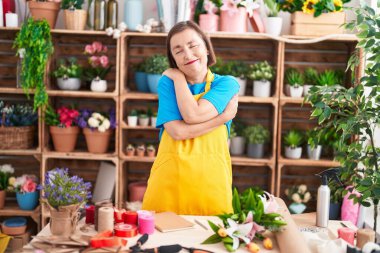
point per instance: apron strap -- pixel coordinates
(209, 80)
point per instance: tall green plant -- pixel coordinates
(356, 114)
(35, 39)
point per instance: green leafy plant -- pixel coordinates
(34, 39)
(312, 137)
(71, 4)
(312, 6)
(294, 78)
(156, 64)
(336, 192)
(327, 78)
(219, 67)
(236, 68)
(356, 114)
(133, 113)
(140, 67)
(238, 127)
(311, 76)
(261, 71)
(70, 70)
(339, 76)
(232, 131)
(257, 134)
(273, 7)
(293, 138)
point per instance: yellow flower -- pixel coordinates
(11, 181)
(338, 5)
(308, 6)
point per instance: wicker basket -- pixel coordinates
(16, 137)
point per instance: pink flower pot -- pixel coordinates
(234, 21)
(209, 22)
(137, 191)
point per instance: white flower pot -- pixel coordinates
(261, 89)
(144, 122)
(237, 145)
(243, 85)
(287, 90)
(306, 89)
(293, 153)
(273, 26)
(132, 121)
(68, 83)
(99, 85)
(315, 153)
(229, 143)
(153, 121)
(296, 92)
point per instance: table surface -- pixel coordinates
(195, 236)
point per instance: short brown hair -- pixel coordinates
(181, 26)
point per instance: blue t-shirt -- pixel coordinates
(223, 88)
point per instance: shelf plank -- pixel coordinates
(90, 94)
(20, 152)
(125, 126)
(251, 99)
(140, 96)
(14, 210)
(14, 90)
(337, 37)
(308, 162)
(79, 155)
(291, 100)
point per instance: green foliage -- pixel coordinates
(71, 4)
(238, 127)
(257, 134)
(156, 64)
(339, 76)
(35, 38)
(312, 137)
(336, 192)
(355, 114)
(236, 68)
(293, 138)
(219, 67)
(232, 131)
(51, 117)
(133, 113)
(273, 7)
(311, 76)
(319, 7)
(261, 71)
(199, 8)
(294, 78)
(70, 70)
(327, 78)
(140, 67)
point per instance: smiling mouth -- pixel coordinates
(191, 62)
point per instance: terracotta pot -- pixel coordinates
(140, 152)
(2, 199)
(75, 19)
(136, 191)
(45, 10)
(97, 142)
(130, 152)
(151, 153)
(64, 139)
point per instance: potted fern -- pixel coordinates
(293, 141)
(273, 21)
(262, 74)
(327, 78)
(154, 67)
(68, 75)
(295, 80)
(75, 17)
(311, 76)
(257, 136)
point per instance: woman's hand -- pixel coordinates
(174, 74)
(231, 109)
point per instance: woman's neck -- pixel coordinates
(198, 78)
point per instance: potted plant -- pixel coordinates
(311, 76)
(299, 195)
(273, 22)
(34, 40)
(295, 80)
(27, 195)
(238, 141)
(17, 126)
(339, 77)
(256, 136)
(155, 66)
(99, 66)
(153, 119)
(262, 74)
(97, 129)
(68, 75)
(143, 119)
(151, 151)
(205, 15)
(64, 195)
(141, 78)
(238, 69)
(48, 10)
(132, 118)
(336, 198)
(327, 78)
(233, 17)
(314, 148)
(6, 171)
(75, 18)
(130, 150)
(293, 144)
(63, 128)
(141, 150)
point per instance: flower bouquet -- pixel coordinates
(6, 171)
(254, 213)
(26, 191)
(299, 195)
(64, 194)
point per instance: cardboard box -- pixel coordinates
(18, 241)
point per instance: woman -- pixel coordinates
(192, 172)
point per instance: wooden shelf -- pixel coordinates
(20, 152)
(125, 126)
(139, 96)
(144, 159)
(335, 37)
(259, 100)
(89, 94)
(14, 210)
(290, 100)
(308, 162)
(79, 155)
(14, 91)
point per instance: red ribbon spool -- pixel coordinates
(130, 217)
(125, 230)
(119, 215)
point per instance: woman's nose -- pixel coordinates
(187, 54)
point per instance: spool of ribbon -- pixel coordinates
(347, 234)
(105, 221)
(119, 215)
(90, 214)
(103, 203)
(130, 217)
(146, 222)
(125, 230)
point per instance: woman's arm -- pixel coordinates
(192, 111)
(180, 130)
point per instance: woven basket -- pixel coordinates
(16, 137)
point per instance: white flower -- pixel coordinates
(250, 5)
(106, 124)
(109, 31)
(302, 188)
(97, 116)
(307, 197)
(21, 52)
(7, 168)
(139, 28)
(147, 29)
(93, 122)
(116, 33)
(20, 181)
(296, 198)
(102, 129)
(151, 22)
(122, 26)
(238, 231)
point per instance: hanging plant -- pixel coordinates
(34, 40)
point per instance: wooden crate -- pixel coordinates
(8, 59)
(307, 25)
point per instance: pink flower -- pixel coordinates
(256, 228)
(89, 49)
(105, 49)
(29, 186)
(97, 46)
(94, 61)
(104, 61)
